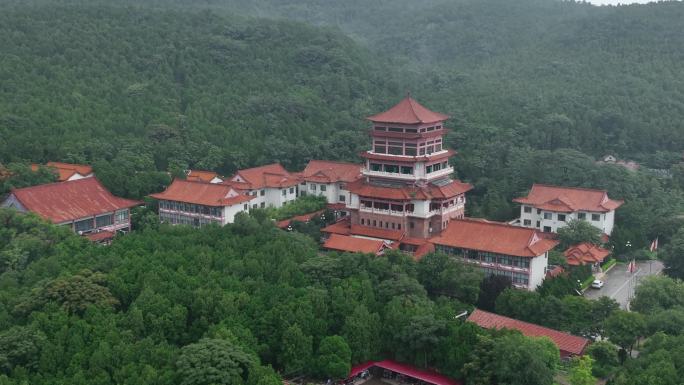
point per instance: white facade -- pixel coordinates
(333, 192)
(269, 196)
(551, 221)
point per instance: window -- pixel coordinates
(284, 192)
(376, 167)
(398, 226)
(263, 204)
(84, 225)
(312, 187)
(410, 151)
(527, 209)
(428, 169)
(262, 192)
(538, 211)
(548, 216)
(104, 220)
(121, 216)
(395, 129)
(582, 216)
(393, 226)
(547, 229)
(538, 224)
(323, 187)
(245, 207)
(561, 217)
(254, 206)
(380, 128)
(380, 149)
(342, 198)
(406, 170)
(380, 223)
(291, 190)
(391, 168)
(374, 223)
(595, 217)
(527, 222)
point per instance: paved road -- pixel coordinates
(620, 285)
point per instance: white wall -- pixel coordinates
(538, 267)
(229, 212)
(605, 224)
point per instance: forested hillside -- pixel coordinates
(604, 79)
(169, 90)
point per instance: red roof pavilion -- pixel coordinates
(494, 237)
(428, 376)
(71, 200)
(568, 344)
(408, 111)
(353, 245)
(202, 193)
(585, 253)
(569, 199)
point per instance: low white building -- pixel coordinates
(548, 208)
(197, 204)
(498, 249)
(270, 185)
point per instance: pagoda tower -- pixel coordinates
(406, 185)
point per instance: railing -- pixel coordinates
(381, 211)
(192, 214)
(449, 209)
(366, 171)
(498, 266)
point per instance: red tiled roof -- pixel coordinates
(202, 193)
(66, 170)
(494, 237)
(271, 175)
(408, 111)
(299, 218)
(353, 244)
(428, 376)
(585, 253)
(202, 176)
(67, 201)
(555, 272)
(101, 236)
(567, 343)
(340, 227)
(423, 250)
(406, 193)
(330, 172)
(371, 232)
(568, 199)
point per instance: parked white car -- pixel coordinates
(597, 284)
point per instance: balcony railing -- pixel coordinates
(191, 214)
(381, 211)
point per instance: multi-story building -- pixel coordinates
(498, 249)
(329, 179)
(83, 204)
(270, 185)
(197, 203)
(549, 208)
(406, 180)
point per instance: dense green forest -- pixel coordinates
(249, 304)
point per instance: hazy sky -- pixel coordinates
(601, 2)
